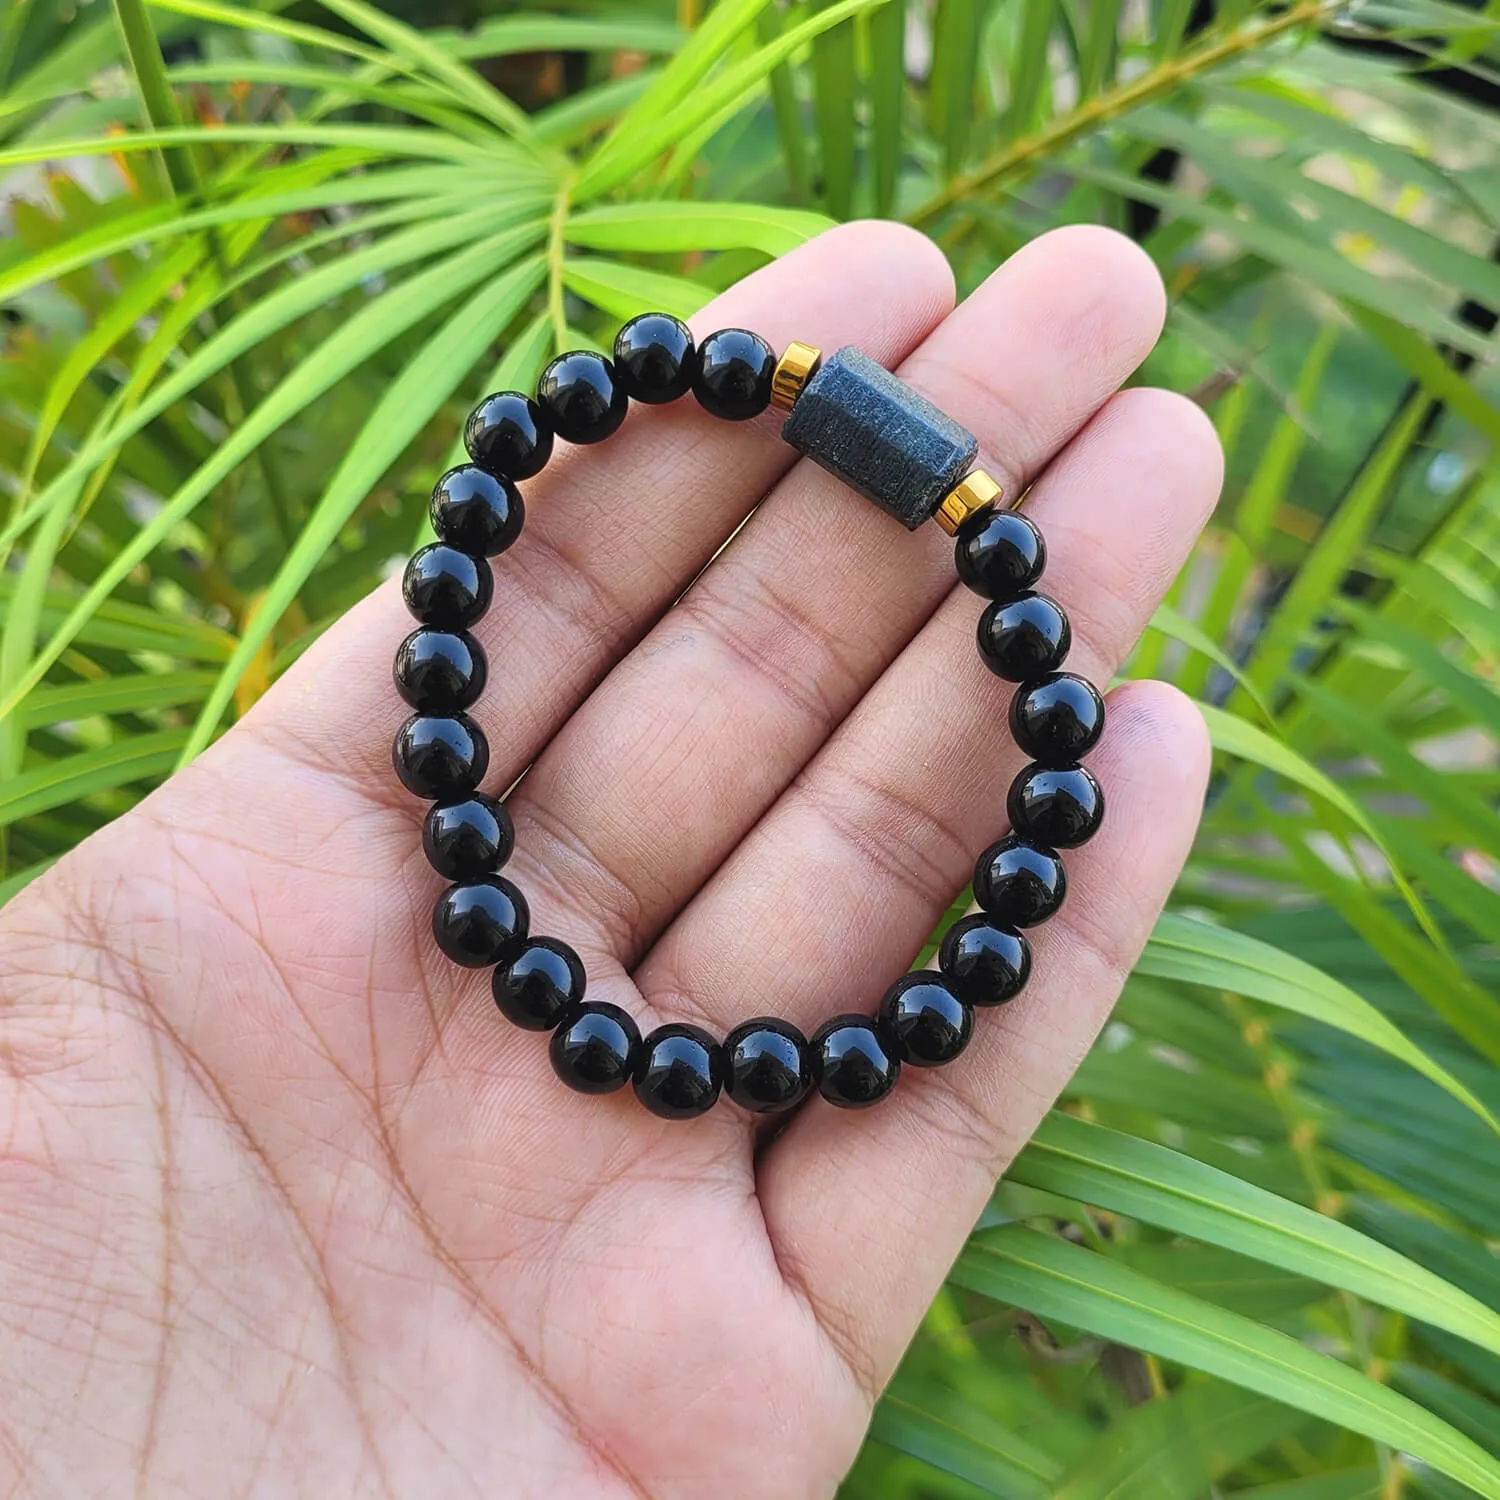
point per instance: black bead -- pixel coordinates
(1025, 638)
(440, 757)
(1061, 806)
(481, 921)
(734, 374)
(679, 1072)
(999, 554)
(1019, 883)
(467, 839)
(581, 397)
(655, 358)
(1057, 720)
(540, 985)
(925, 1021)
(447, 588)
(767, 1066)
(509, 434)
(851, 1065)
(595, 1051)
(984, 963)
(479, 513)
(440, 671)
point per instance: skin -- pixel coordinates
(286, 1209)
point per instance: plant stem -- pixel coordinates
(557, 223)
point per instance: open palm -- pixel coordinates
(286, 1208)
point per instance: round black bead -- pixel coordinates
(481, 921)
(477, 512)
(440, 757)
(767, 1066)
(581, 397)
(984, 964)
(1025, 638)
(926, 1022)
(540, 984)
(509, 434)
(595, 1051)
(440, 671)
(655, 358)
(447, 588)
(1062, 806)
(852, 1066)
(467, 839)
(999, 554)
(1057, 720)
(734, 374)
(679, 1072)
(1019, 883)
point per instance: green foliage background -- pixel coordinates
(1253, 1252)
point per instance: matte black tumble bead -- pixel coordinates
(1058, 720)
(925, 1021)
(538, 987)
(463, 840)
(999, 554)
(734, 374)
(447, 588)
(440, 671)
(509, 434)
(1024, 638)
(655, 358)
(595, 1049)
(1061, 806)
(767, 1067)
(440, 757)
(477, 512)
(852, 1065)
(1019, 883)
(480, 922)
(581, 397)
(679, 1072)
(985, 964)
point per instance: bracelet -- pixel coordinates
(855, 419)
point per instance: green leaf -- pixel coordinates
(132, 693)
(676, 227)
(141, 757)
(624, 290)
(834, 109)
(887, 90)
(943, 1430)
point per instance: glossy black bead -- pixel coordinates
(768, 1068)
(480, 922)
(1058, 720)
(509, 434)
(924, 1020)
(1061, 806)
(1019, 883)
(540, 984)
(655, 358)
(446, 588)
(679, 1072)
(852, 1065)
(595, 1049)
(984, 963)
(999, 554)
(477, 512)
(1024, 638)
(440, 671)
(734, 374)
(440, 757)
(464, 840)
(580, 396)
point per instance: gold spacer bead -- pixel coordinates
(971, 494)
(793, 370)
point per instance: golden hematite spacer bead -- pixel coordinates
(793, 370)
(972, 493)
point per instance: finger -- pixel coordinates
(662, 771)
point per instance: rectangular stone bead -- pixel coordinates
(855, 419)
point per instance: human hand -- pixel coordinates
(286, 1208)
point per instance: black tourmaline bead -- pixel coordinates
(1025, 638)
(509, 434)
(440, 757)
(595, 1050)
(477, 512)
(679, 1072)
(481, 921)
(464, 840)
(1019, 883)
(984, 963)
(1062, 807)
(734, 374)
(540, 985)
(447, 588)
(925, 1021)
(1057, 720)
(440, 671)
(655, 358)
(767, 1067)
(999, 554)
(581, 397)
(851, 1065)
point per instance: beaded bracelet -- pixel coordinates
(881, 438)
